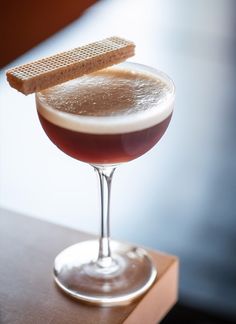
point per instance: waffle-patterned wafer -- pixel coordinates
(59, 68)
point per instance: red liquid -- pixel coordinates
(104, 148)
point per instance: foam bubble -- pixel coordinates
(123, 98)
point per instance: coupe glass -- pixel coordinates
(103, 271)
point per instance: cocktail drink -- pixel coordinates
(107, 118)
(106, 114)
(111, 116)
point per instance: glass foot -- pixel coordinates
(129, 274)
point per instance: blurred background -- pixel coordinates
(181, 196)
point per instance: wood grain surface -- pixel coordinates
(29, 295)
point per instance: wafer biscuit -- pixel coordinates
(59, 68)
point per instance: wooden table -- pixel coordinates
(29, 295)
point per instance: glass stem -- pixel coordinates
(105, 179)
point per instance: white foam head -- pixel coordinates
(120, 99)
